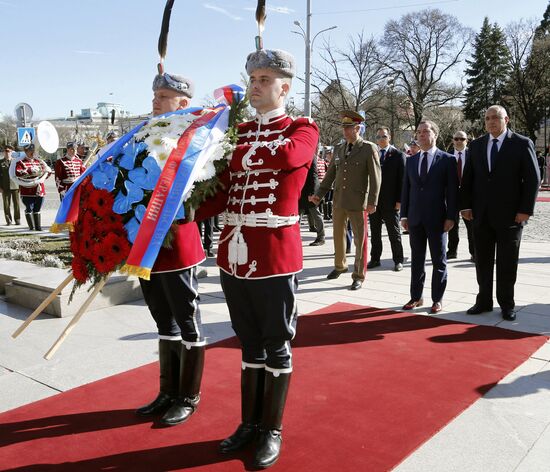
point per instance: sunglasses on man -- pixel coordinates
(459, 139)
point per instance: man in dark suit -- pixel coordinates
(392, 162)
(428, 211)
(460, 151)
(499, 191)
(310, 209)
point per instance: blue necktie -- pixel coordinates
(424, 167)
(382, 153)
(494, 152)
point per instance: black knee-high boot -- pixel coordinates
(252, 392)
(187, 401)
(169, 361)
(37, 223)
(270, 438)
(30, 222)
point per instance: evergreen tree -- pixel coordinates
(487, 73)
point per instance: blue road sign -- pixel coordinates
(25, 136)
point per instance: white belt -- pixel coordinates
(266, 220)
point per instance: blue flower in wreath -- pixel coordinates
(129, 154)
(124, 201)
(180, 214)
(132, 227)
(104, 177)
(147, 175)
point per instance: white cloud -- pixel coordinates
(282, 10)
(223, 11)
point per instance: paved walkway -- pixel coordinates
(506, 430)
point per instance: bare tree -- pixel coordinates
(528, 85)
(422, 50)
(345, 80)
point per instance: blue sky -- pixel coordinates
(62, 55)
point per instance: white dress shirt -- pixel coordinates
(463, 155)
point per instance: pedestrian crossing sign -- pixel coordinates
(25, 136)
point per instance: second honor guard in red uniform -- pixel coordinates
(172, 294)
(68, 169)
(260, 249)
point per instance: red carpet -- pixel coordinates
(370, 386)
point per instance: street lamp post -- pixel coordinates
(308, 45)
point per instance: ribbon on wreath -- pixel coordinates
(195, 147)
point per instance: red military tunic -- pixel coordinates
(67, 171)
(261, 237)
(186, 250)
(30, 168)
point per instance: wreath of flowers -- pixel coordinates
(114, 198)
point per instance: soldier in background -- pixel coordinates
(9, 189)
(355, 172)
(68, 169)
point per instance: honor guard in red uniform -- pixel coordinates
(34, 171)
(260, 249)
(172, 294)
(68, 169)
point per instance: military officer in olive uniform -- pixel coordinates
(355, 172)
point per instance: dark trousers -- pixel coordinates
(314, 219)
(206, 228)
(263, 315)
(391, 218)
(9, 197)
(506, 241)
(454, 238)
(173, 300)
(437, 241)
(32, 204)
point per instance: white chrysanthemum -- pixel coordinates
(207, 172)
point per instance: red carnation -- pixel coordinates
(100, 202)
(80, 270)
(118, 246)
(103, 259)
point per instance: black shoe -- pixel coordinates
(318, 242)
(180, 411)
(245, 434)
(479, 309)
(336, 273)
(269, 448)
(508, 314)
(451, 255)
(356, 285)
(398, 267)
(157, 406)
(312, 230)
(209, 253)
(373, 264)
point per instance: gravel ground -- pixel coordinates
(538, 228)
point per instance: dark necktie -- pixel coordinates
(494, 152)
(459, 167)
(382, 155)
(424, 167)
(348, 149)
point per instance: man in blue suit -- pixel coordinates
(428, 212)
